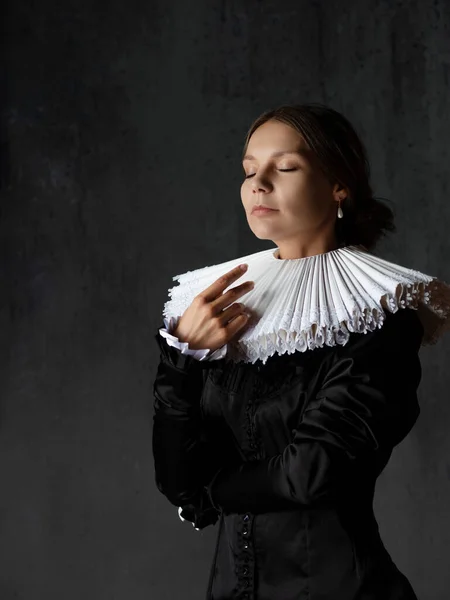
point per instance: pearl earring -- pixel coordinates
(340, 214)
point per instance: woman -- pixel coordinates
(275, 415)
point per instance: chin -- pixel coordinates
(261, 235)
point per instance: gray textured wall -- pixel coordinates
(122, 128)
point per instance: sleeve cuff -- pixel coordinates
(200, 514)
(180, 511)
(198, 354)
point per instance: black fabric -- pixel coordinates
(285, 456)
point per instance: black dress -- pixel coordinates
(285, 457)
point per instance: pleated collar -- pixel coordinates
(306, 303)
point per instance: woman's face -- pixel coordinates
(292, 183)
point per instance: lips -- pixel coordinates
(262, 208)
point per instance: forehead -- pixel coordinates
(275, 137)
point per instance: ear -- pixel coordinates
(340, 193)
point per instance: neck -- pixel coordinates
(301, 248)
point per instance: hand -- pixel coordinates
(211, 321)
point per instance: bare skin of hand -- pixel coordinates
(213, 318)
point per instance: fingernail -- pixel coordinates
(243, 267)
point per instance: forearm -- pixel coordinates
(304, 474)
(183, 459)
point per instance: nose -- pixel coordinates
(259, 184)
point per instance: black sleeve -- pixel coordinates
(367, 403)
(182, 458)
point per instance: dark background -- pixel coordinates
(122, 130)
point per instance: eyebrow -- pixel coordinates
(279, 153)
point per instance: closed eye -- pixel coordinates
(248, 176)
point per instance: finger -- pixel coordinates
(235, 326)
(232, 295)
(230, 313)
(218, 286)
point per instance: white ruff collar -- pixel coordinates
(302, 304)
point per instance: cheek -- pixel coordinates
(311, 187)
(298, 192)
(244, 193)
(305, 198)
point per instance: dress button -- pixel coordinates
(245, 531)
(246, 545)
(245, 582)
(246, 518)
(245, 570)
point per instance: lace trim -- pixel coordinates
(431, 300)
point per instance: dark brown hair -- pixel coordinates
(343, 159)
